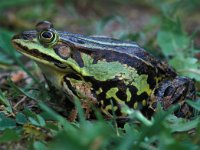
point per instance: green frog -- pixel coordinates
(105, 72)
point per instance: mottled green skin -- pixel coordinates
(98, 69)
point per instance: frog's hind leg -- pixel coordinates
(176, 91)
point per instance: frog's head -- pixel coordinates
(175, 91)
(45, 45)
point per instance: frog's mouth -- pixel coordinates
(34, 53)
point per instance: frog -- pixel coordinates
(105, 72)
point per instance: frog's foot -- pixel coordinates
(87, 112)
(174, 91)
(73, 115)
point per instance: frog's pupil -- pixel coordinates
(47, 35)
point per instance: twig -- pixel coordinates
(19, 102)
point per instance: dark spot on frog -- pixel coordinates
(122, 95)
(76, 55)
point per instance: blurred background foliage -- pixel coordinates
(169, 29)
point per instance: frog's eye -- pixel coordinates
(47, 38)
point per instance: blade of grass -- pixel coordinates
(80, 112)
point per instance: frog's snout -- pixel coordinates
(26, 35)
(186, 85)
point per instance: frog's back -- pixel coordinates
(126, 52)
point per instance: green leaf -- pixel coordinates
(41, 121)
(194, 104)
(172, 43)
(186, 66)
(5, 42)
(3, 99)
(39, 145)
(6, 123)
(9, 135)
(21, 118)
(180, 124)
(4, 60)
(7, 52)
(38, 121)
(33, 121)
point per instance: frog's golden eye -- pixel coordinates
(47, 38)
(47, 35)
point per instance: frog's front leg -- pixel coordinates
(175, 91)
(77, 89)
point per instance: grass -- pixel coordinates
(32, 117)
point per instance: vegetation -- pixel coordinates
(32, 117)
